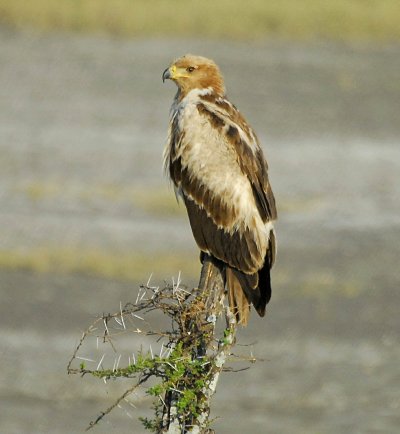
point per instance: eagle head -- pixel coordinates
(195, 72)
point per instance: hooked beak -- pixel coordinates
(166, 75)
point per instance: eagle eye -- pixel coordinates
(190, 69)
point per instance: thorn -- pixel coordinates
(85, 359)
(156, 290)
(130, 403)
(119, 359)
(172, 366)
(101, 361)
(137, 298)
(176, 390)
(169, 352)
(184, 290)
(179, 279)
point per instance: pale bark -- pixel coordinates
(213, 293)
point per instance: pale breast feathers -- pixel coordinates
(213, 157)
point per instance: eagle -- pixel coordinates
(217, 166)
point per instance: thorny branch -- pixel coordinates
(187, 365)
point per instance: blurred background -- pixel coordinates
(86, 214)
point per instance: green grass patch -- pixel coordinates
(101, 263)
(156, 201)
(293, 19)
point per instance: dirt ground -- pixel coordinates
(83, 119)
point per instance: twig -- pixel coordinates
(116, 404)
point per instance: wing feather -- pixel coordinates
(229, 248)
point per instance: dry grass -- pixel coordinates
(294, 19)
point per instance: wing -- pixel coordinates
(216, 163)
(249, 153)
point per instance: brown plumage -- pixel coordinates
(217, 166)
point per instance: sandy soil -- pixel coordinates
(80, 114)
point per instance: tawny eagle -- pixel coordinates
(217, 166)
